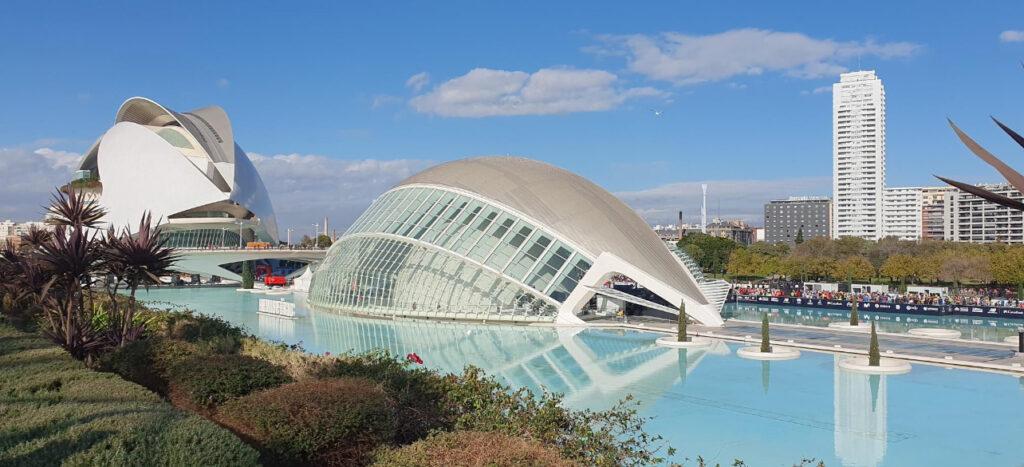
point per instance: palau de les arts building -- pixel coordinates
(489, 238)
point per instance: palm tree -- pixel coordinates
(137, 260)
(70, 257)
(70, 208)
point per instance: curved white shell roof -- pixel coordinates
(141, 171)
(570, 205)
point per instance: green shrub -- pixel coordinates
(299, 364)
(323, 422)
(210, 380)
(419, 394)
(471, 448)
(610, 437)
(148, 361)
(195, 327)
(54, 410)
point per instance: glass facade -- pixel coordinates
(429, 251)
(200, 238)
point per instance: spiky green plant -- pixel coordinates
(766, 345)
(854, 319)
(874, 357)
(681, 330)
(137, 260)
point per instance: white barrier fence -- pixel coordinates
(277, 308)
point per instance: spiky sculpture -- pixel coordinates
(1012, 176)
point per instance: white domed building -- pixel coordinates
(504, 239)
(188, 172)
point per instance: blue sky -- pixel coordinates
(338, 101)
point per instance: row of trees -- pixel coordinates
(855, 259)
(69, 279)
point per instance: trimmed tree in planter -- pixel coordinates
(681, 331)
(874, 357)
(247, 275)
(854, 319)
(766, 346)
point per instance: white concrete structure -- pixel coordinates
(501, 238)
(971, 219)
(901, 213)
(188, 172)
(858, 155)
(185, 169)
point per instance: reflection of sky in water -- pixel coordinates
(708, 402)
(982, 329)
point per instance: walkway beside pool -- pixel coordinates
(978, 355)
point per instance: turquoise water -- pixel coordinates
(970, 327)
(706, 402)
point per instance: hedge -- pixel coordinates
(54, 410)
(211, 380)
(472, 448)
(320, 422)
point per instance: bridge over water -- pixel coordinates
(207, 262)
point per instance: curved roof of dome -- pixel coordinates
(572, 206)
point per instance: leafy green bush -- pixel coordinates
(610, 437)
(148, 361)
(55, 410)
(210, 380)
(196, 327)
(471, 448)
(323, 422)
(418, 393)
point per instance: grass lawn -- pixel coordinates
(54, 410)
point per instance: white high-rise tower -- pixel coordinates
(704, 208)
(858, 155)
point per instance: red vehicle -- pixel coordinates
(271, 280)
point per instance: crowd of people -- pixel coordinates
(982, 296)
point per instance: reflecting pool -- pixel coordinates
(705, 402)
(970, 327)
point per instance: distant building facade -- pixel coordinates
(735, 230)
(933, 226)
(901, 213)
(785, 219)
(971, 219)
(858, 155)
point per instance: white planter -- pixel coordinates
(693, 343)
(777, 353)
(886, 366)
(935, 332)
(862, 327)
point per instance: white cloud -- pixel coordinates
(687, 59)
(384, 100)
(28, 177)
(818, 90)
(305, 188)
(1011, 36)
(223, 83)
(484, 92)
(418, 81)
(729, 199)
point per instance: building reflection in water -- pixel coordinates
(860, 406)
(588, 366)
